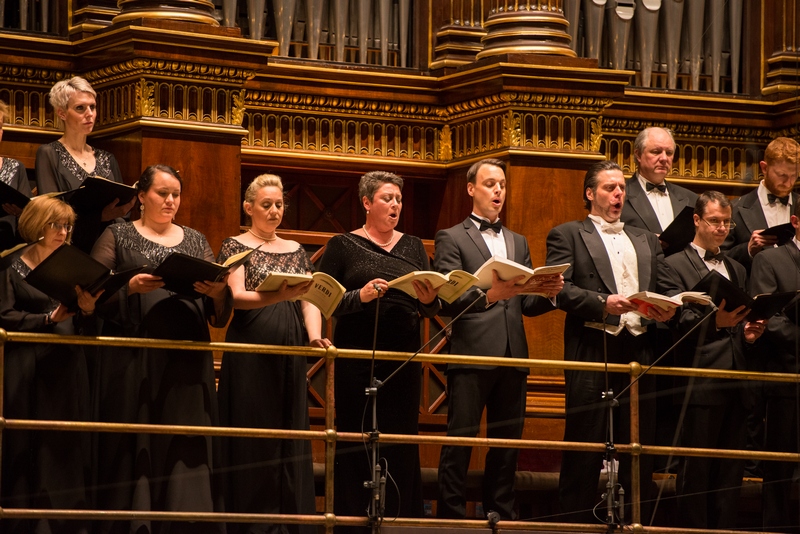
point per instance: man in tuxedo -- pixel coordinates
(778, 270)
(708, 488)
(492, 326)
(609, 261)
(651, 203)
(770, 204)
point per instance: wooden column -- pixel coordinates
(526, 26)
(200, 11)
(459, 29)
(781, 60)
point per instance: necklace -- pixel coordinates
(382, 245)
(262, 238)
(77, 155)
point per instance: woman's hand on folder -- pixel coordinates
(144, 283)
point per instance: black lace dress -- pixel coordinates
(159, 386)
(12, 173)
(57, 171)
(354, 261)
(43, 469)
(266, 391)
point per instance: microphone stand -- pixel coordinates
(646, 369)
(615, 506)
(377, 484)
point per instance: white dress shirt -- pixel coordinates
(718, 266)
(775, 213)
(660, 202)
(625, 266)
(494, 241)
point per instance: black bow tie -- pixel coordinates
(661, 187)
(496, 226)
(772, 198)
(710, 256)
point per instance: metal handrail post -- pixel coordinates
(330, 433)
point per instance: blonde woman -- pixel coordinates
(44, 469)
(267, 391)
(64, 164)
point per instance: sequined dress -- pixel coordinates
(12, 173)
(57, 170)
(43, 469)
(159, 386)
(354, 261)
(266, 391)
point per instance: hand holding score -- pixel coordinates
(727, 319)
(287, 292)
(754, 329)
(115, 210)
(426, 293)
(758, 242)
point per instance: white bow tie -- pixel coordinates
(611, 228)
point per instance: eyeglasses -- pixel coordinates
(58, 227)
(718, 223)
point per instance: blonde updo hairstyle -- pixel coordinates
(41, 211)
(3, 112)
(259, 182)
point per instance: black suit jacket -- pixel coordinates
(637, 210)
(749, 217)
(706, 347)
(590, 279)
(485, 331)
(777, 270)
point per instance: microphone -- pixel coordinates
(377, 288)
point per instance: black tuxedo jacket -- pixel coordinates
(749, 217)
(637, 210)
(485, 330)
(706, 347)
(777, 270)
(590, 279)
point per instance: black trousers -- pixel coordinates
(502, 392)
(587, 421)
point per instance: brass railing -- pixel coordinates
(331, 436)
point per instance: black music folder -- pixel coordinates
(680, 232)
(761, 306)
(9, 195)
(67, 267)
(96, 193)
(180, 271)
(784, 232)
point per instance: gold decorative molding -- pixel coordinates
(268, 100)
(511, 129)
(445, 144)
(341, 136)
(145, 103)
(163, 68)
(596, 133)
(238, 108)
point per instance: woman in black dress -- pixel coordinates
(363, 261)
(159, 386)
(44, 469)
(63, 165)
(12, 173)
(267, 391)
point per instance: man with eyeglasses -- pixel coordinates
(777, 269)
(708, 488)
